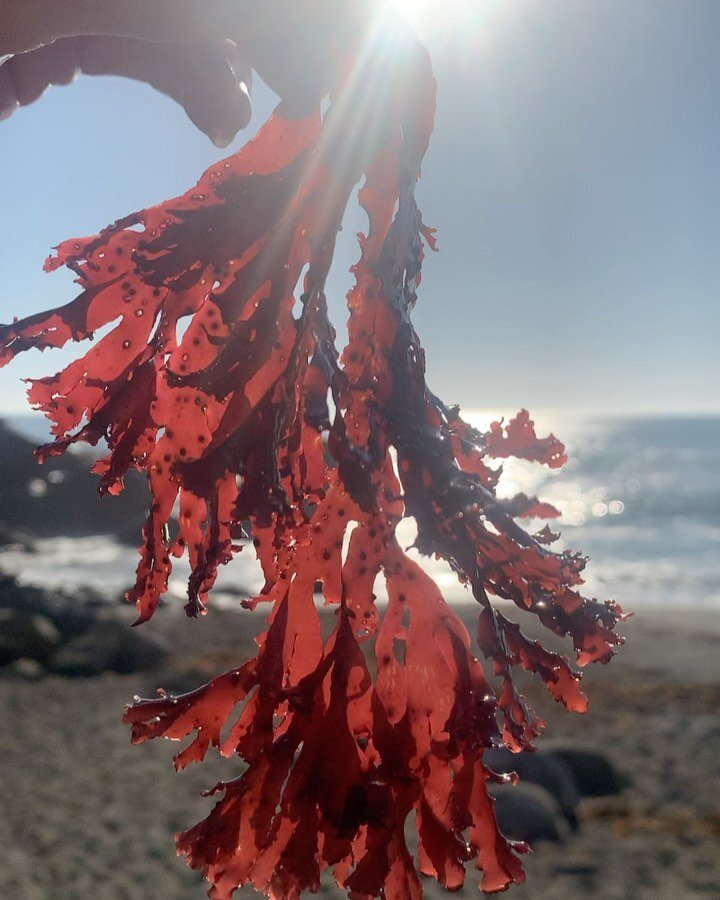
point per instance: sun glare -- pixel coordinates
(430, 12)
(459, 19)
(449, 13)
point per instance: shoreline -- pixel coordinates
(92, 816)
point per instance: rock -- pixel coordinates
(140, 652)
(15, 537)
(70, 614)
(593, 772)
(108, 645)
(60, 497)
(25, 669)
(26, 634)
(528, 813)
(74, 635)
(545, 769)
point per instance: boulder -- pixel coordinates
(528, 813)
(70, 614)
(61, 496)
(24, 633)
(594, 774)
(23, 669)
(542, 768)
(15, 537)
(108, 645)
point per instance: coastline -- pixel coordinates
(92, 816)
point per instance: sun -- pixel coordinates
(457, 18)
(446, 14)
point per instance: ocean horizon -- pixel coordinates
(640, 495)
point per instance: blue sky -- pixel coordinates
(573, 178)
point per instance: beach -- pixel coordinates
(235, 399)
(88, 815)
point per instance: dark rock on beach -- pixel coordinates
(15, 537)
(79, 635)
(527, 812)
(26, 634)
(544, 769)
(60, 497)
(24, 669)
(592, 772)
(108, 646)
(70, 614)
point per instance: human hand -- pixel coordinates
(180, 48)
(199, 52)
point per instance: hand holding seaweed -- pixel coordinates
(198, 52)
(253, 419)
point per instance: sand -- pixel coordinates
(85, 815)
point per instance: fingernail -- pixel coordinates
(222, 139)
(7, 111)
(8, 99)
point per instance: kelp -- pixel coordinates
(219, 378)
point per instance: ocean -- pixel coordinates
(640, 496)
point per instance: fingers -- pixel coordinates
(28, 24)
(214, 88)
(210, 81)
(8, 99)
(25, 77)
(287, 43)
(217, 98)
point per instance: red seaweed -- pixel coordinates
(253, 423)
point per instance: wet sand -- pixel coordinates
(85, 815)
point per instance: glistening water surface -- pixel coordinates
(641, 496)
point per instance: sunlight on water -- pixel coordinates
(640, 496)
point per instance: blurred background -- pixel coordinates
(573, 181)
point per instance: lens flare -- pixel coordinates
(449, 15)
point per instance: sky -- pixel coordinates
(572, 177)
